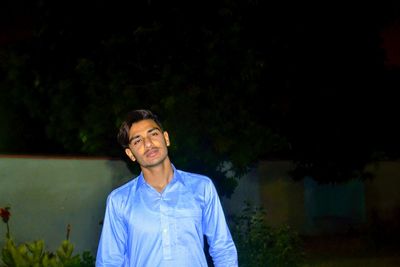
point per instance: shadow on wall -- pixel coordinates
(122, 171)
(316, 209)
(333, 209)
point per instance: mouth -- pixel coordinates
(151, 152)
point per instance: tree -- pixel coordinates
(76, 76)
(233, 81)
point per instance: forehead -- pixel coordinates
(141, 127)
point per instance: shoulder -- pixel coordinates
(202, 188)
(121, 194)
(194, 177)
(195, 180)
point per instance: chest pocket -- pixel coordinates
(188, 223)
(188, 213)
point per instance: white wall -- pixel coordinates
(246, 191)
(47, 194)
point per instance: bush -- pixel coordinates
(33, 253)
(261, 245)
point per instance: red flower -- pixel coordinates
(5, 214)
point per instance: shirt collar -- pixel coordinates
(175, 178)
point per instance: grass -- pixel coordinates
(355, 262)
(349, 252)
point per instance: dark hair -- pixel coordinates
(131, 118)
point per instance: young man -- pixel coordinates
(161, 217)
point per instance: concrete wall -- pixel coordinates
(283, 198)
(314, 209)
(270, 186)
(247, 191)
(382, 195)
(47, 194)
(334, 208)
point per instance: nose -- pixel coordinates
(147, 142)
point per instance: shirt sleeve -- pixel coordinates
(112, 245)
(222, 249)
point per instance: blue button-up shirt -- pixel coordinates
(145, 228)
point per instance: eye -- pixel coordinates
(154, 133)
(136, 141)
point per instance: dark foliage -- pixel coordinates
(233, 81)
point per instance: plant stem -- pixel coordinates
(8, 231)
(68, 231)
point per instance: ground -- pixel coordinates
(343, 251)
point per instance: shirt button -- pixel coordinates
(165, 230)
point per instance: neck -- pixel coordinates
(159, 176)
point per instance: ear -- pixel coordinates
(166, 137)
(129, 153)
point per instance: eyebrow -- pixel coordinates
(148, 131)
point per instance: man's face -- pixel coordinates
(147, 144)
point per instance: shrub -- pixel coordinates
(33, 253)
(259, 244)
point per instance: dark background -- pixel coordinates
(234, 81)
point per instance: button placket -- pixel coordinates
(165, 229)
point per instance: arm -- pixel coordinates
(112, 245)
(222, 248)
